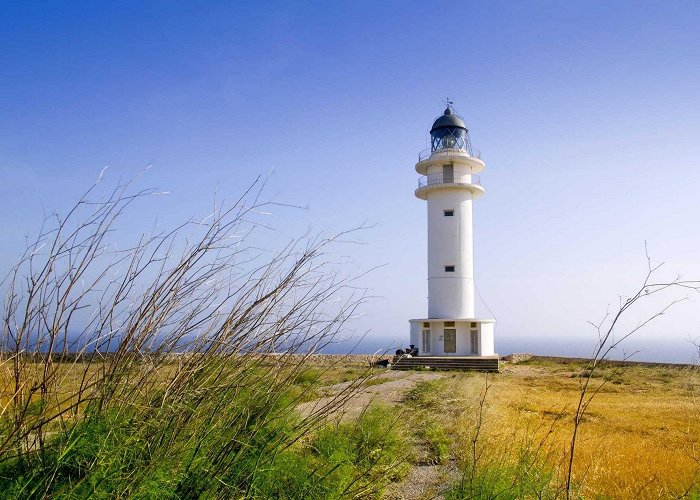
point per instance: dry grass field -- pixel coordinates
(639, 439)
(641, 436)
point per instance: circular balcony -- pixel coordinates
(452, 156)
(427, 153)
(441, 181)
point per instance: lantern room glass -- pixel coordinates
(448, 138)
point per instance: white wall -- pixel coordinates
(463, 347)
(415, 337)
(450, 242)
(486, 347)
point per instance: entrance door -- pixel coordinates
(450, 338)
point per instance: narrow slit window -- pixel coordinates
(449, 213)
(449, 269)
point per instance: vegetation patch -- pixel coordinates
(172, 366)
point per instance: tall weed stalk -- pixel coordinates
(166, 367)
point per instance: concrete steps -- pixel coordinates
(480, 364)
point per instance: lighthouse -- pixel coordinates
(449, 185)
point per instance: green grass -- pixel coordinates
(445, 424)
(427, 402)
(438, 441)
(233, 442)
(510, 481)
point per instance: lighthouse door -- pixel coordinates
(450, 337)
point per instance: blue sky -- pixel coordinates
(586, 113)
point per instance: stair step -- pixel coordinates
(471, 364)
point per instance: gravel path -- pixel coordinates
(390, 387)
(424, 482)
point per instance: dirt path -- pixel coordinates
(389, 388)
(425, 480)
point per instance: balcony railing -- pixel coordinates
(425, 154)
(441, 178)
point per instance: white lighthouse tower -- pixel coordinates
(450, 185)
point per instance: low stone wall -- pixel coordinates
(348, 359)
(517, 358)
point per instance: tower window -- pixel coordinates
(449, 213)
(448, 174)
(449, 269)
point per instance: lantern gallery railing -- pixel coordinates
(425, 154)
(441, 178)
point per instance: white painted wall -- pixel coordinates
(486, 347)
(416, 334)
(463, 347)
(463, 327)
(450, 242)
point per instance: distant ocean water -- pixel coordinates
(663, 350)
(677, 350)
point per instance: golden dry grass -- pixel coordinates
(68, 377)
(640, 438)
(63, 386)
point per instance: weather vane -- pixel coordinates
(448, 103)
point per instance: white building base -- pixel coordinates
(453, 336)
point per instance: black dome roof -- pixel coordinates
(448, 119)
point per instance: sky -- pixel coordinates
(587, 115)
